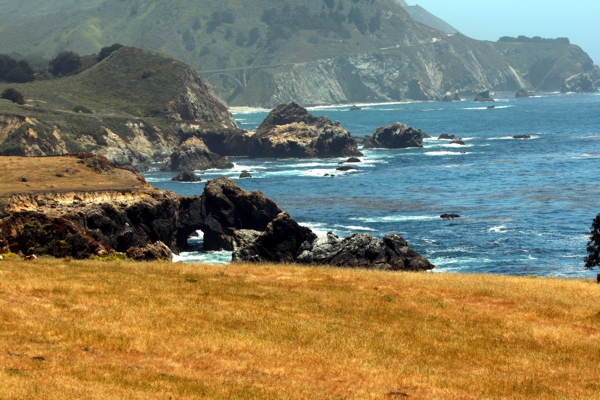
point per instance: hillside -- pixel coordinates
(317, 51)
(131, 102)
(424, 17)
(105, 330)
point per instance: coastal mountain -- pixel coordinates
(264, 53)
(128, 107)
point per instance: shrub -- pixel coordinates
(82, 109)
(593, 246)
(66, 63)
(108, 50)
(13, 95)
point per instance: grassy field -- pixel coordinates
(41, 172)
(99, 330)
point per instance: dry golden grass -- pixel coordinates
(98, 330)
(41, 175)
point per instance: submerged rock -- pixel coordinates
(521, 137)
(523, 94)
(395, 136)
(352, 160)
(483, 96)
(186, 176)
(346, 168)
(194, 155)
(445, 136)
(449, 216)
(355, 108)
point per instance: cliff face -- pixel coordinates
(426, 72)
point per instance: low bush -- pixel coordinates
(13, 95)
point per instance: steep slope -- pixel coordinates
(134, 98)
(424, 17)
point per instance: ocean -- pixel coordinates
(526, 206)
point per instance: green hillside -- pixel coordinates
(131, 82)
(219, 34)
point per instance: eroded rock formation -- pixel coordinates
(194, 155)
(395, 136)
(291, 131)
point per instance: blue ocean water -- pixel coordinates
(526, 206)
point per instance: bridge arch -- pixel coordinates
(242, 85)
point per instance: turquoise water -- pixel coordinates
(526, 205)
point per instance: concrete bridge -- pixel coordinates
(239, 75)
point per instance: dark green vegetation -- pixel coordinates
(593, 247)
(13, 95)
(535, 39)
(12, 70)
(141, 86)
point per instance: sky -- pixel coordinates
(579, 20)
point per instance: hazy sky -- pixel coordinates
(579, 20)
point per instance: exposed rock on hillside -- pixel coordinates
(194, 155)
(522, 93)
(152, 252)
(291, 131)
(580, 83)
(395, 136)
(226, 208)
(484, 96)
(286, 241)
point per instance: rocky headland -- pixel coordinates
(146, 223)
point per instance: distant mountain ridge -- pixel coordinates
(424, 17)
(316, 51)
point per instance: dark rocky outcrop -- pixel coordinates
(580, 83)
(395, 136)
(484, 96)
(245, 174)
(151, 252)
(286, 241)
(226, 208)
(290, 131)
(449, 216)
(521, 137)
(35, 233)
(458, 142)
(353, 160)
(186, 176)
(445, 136)
(522, 93)
(281, 242)
(355, 108)
(194, 155)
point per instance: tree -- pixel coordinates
(593, 246)
(66, 63)
(13, 95)
(108, 50)
(15, 72)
